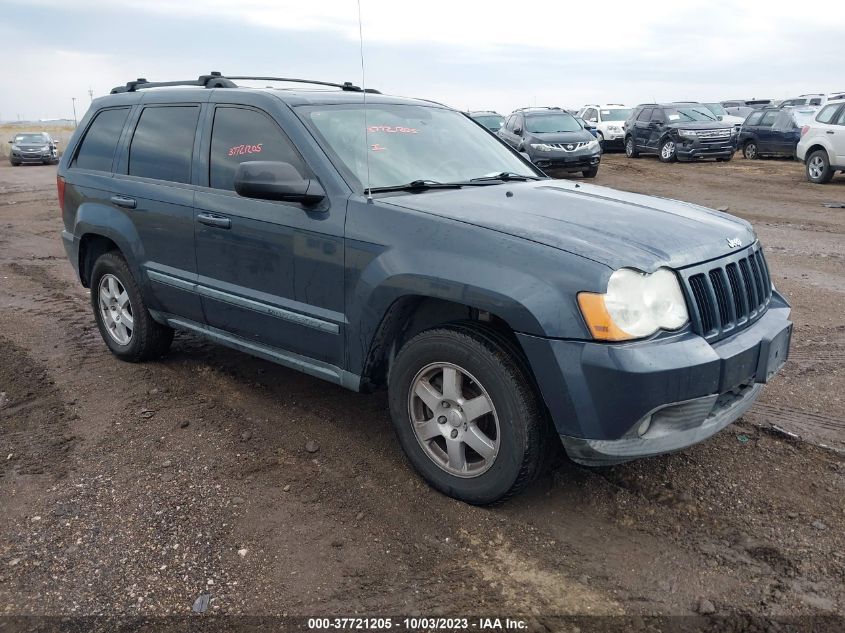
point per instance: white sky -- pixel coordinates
(473, 55)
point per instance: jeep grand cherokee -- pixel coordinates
(398, 244)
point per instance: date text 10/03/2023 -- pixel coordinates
(418, 624)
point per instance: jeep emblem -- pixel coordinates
(735, 242)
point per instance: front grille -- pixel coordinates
(728, 294)
(568, 147)
(713, 135)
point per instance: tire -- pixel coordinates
(14, 164)
(515, 427)
(114, 297)
(668, 152)
(818, 167)
(631, 148)
(592, 172)
(750, 151)
(725, 160)
(600, 138)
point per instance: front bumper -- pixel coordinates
(31, 157)
(566, 161)
(696, 149)
(601, 395)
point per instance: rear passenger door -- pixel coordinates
(766, 138)
(641, 129)
(656, 128)
(152, 186)
(270, 273)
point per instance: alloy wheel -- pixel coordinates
(116, 309)
(668, 150)
(454, 420)
(815, 167)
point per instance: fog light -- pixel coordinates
(642, 429)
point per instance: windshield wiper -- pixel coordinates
(504, 175)
(419, 185)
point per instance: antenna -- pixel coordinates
(364, 88)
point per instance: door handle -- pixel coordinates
(218, 221)
(830, 132)
(123, 201)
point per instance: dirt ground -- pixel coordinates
(135, 489)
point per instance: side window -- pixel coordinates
(769, 118)
(815, 101)
(241, 135)
(827, 114)
(163, 143)
(753, 118)
(96, 151)
(510, 122)
(645, 114)
(841, 119)
(590, 114)
(657, 115)
(791, 102)
(518, 123)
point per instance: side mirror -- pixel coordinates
(720, 117)
(594, 120)
(272, 180)
(517, 130)
(11, 142)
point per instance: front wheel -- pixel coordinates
(466, 413)
(750, 151)
(668, 152)
(592, 172)
(122, 316)
(818, 167)
(600, 138)
(631, 148)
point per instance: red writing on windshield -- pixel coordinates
(239, 150)
(390, 129)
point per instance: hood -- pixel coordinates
(31, 146)
(560, 137)
(700, 125)
(733, 120)
(612, 227)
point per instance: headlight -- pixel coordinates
(46, 148)
(593, 144)
(635, 305)
(687, 133)
(542, 147)
(614, 128)
(15, 147)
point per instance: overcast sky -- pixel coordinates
(470, 55)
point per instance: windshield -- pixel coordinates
(551, 123)
(490, 121)
(30, 138)
(690, 113)
(716, 108)
(409, 143)
(616, 114)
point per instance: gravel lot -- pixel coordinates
(136, 489)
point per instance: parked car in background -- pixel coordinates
(773, 131)
(678, 131)
(33, 148)
(804, 100)
(609, 121)
(749, 103)
(822, 144)
(741, 112)
(553, 139)
(587, 126)
(721, 113)
(488, 118)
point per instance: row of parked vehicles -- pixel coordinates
(573, 141)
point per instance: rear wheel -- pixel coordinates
(592, 172)
(466, 413)
(122, 316)
(750, 151)
(818, 167)
(631, 148)
(667, 151)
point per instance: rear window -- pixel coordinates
(769, 117)
(163, 143)
(753, 118)
(96, 151)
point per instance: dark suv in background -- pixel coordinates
(488, 118)
(678, 131)
(773, 131)
(503, 312)
(33, 148)
(554, 139)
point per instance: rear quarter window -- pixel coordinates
(96, 151)
(827, 113)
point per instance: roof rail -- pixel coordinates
(538, 108)
(217, 80)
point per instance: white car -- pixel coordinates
(609, 121)
(822, 144)
(723, 115)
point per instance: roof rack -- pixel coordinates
(217, 80)
(538, 108)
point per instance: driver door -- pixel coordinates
(270, 273)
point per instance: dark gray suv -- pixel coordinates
(380, 242)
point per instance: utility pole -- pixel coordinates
(74, 111)
(90, 93)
